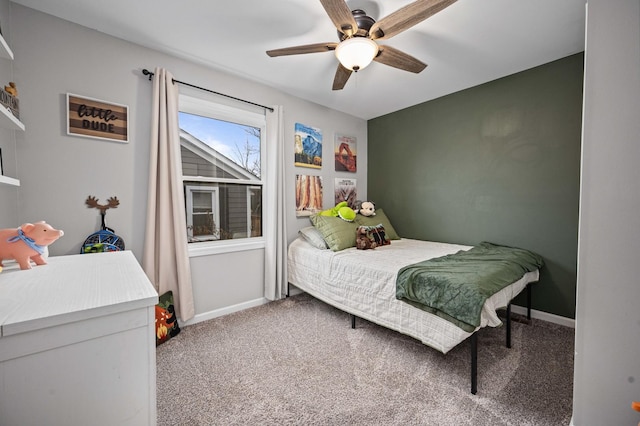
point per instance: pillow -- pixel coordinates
(337, 233)
(313, 237)
(369, 237)
(166, 320)
(376, 234)
(379, 219)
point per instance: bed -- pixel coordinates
(363, 284)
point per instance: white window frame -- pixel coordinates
(209, 108)
(215, 205)
(249, 222)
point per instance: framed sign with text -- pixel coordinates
(98, 119)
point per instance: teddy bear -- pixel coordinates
(365, 208)
(341, 210)
(26, 243)
(363, 242)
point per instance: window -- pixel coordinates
(222, 168)
(202, 212)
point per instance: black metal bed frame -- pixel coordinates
(474, 339)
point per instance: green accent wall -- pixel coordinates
(498, 162)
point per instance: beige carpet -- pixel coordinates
(297, 361)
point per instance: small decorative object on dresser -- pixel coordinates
(27, 243)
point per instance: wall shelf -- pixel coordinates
(5, 50)
(9, 181)
(9, 121)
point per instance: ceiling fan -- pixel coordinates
(358, 34)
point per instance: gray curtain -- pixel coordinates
(275, 283)
(166, 257)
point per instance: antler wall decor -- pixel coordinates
(112, 203)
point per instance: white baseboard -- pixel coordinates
(224, 311)
(231, 309)
(545, 316)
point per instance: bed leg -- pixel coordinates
(353, 320)
(288, 285)
(474, 363)
(529, 303)
(509, 325)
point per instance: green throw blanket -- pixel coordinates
(456, 286)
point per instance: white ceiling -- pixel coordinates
(469, 43)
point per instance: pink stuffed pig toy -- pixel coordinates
(28, 242)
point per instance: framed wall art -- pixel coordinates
(308, 146)
(345, 190)
(308, 195)
(93, 118)
(345, 154)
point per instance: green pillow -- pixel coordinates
(379, 218)
(337, 233)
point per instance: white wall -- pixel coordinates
(607, 362)
(58, 172)
(8, 193)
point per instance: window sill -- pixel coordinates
(220, 247)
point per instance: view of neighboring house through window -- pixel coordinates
(222, 169)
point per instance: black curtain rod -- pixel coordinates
(151, 74)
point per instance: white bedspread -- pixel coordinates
(363, 283)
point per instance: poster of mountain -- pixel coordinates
(308, 146)
(345, 153)
(308, 195)
(345, 190)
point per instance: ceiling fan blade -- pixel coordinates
(341, 16)
(406, 17)
(397, 59)
(298, 50)
(342, 75)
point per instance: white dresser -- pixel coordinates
(77, 343)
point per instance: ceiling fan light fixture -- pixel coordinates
(356, 53)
